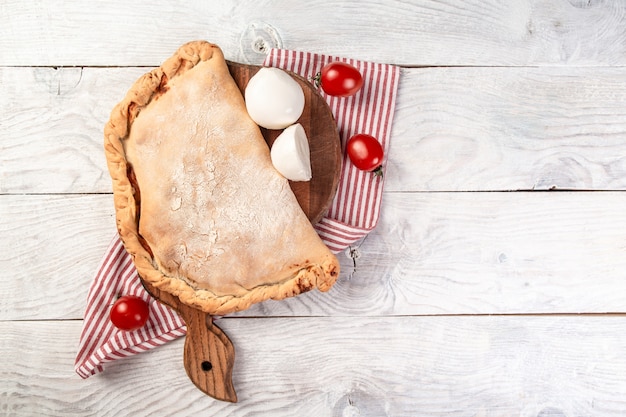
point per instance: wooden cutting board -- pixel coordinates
(209, 355)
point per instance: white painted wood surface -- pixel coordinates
(402, 366)
(469, 129)
(480, 293)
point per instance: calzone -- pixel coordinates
(199, 205)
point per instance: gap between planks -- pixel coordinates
(382, 316)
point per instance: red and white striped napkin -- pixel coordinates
(352, 215)
(100, 341)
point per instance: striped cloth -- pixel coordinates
(100, 341)
(352, 215)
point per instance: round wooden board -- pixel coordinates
(319, 124)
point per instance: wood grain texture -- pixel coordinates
(453, 309)
(431, 253)
(482, 253)
(406, 366)
(52, 128)
(49, 252)
(470, 129)
(417, 32)
(455, 129)
(209, 354)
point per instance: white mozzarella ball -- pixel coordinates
(291, 155)
(274, 99)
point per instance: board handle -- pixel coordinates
(209, 356)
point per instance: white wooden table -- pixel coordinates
(494, 284)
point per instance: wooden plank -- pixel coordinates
(455, 129)
(458, 129)
(431, 253)
(453, 366)
(49, 251)
(482, 253)
(421, 32)
(52, 122)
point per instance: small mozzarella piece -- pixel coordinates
(274, 99)
(291, 155)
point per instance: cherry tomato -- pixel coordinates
(339, 79)
(129, 313)
(366, 153)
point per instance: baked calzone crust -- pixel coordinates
(199, 205)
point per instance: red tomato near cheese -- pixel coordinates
(340, 79)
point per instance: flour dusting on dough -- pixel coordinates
(221, 189)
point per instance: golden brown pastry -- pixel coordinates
(199, 205)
